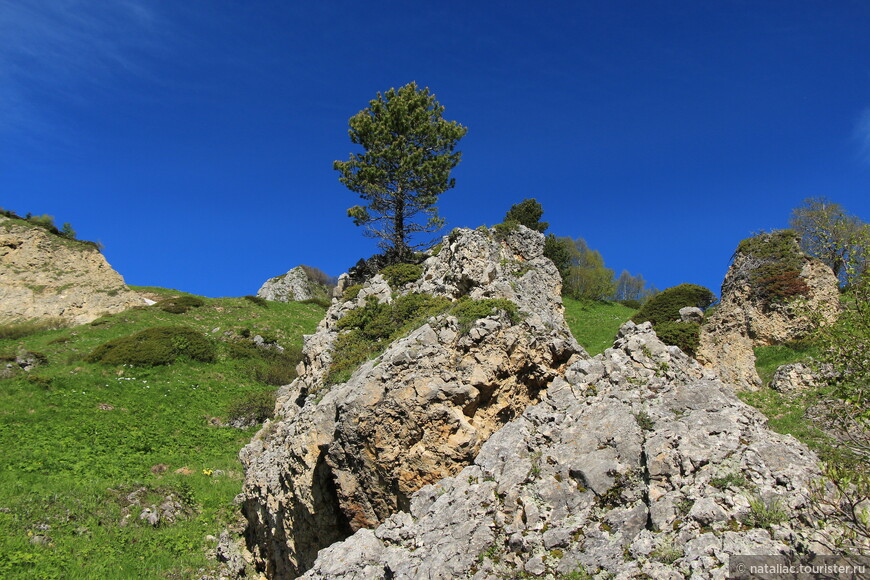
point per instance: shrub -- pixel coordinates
(772, 267)
(372, 327)
(398, 275)
(685, 335)
(17, 330)
(351, 292)
(467, 311)
(631, 303)
(160, 345)
(262, 302)
(665, 306)
(251, 409)
(281, 367)
(321, 301)
(765, 513)
(180, 304)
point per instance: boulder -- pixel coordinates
(294, 286)
(691, 314)
(345, 457)
(639, 463)
(744, 320)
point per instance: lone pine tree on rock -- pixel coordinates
(410, 150)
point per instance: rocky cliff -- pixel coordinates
(638, 464)
(772, 294)
(347, 456)
(46, 276)
(294, 286)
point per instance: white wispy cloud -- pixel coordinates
(61, 49)
(862, 134)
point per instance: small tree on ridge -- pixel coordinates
(409, 153)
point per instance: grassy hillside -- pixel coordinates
(88, 446)
(594, 323)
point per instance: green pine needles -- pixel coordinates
(410, 150)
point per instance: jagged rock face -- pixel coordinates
(640, 464)
(742, 322)
(294, 286)
(44, 276)
(353, 454)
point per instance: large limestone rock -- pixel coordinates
(743, 321)
(45, 276)
(638, 464)
(294, 286)
(345, 457)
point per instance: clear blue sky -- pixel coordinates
(195, 139)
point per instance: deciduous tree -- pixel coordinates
(832, 235)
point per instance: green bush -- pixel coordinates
(160, 345)
(398, 275)
(180, 304)
(252, 408)
(280, 368)
(321, 301)
(685, 335)
(665, 306)
(774, 263)
(372, 327)
(467, 310)
(351, 292)
(262, 302)
(17, 330)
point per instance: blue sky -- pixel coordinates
(195, 139)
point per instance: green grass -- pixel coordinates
(770, 358)
(594, 323)
(77, 437)
(787, 415)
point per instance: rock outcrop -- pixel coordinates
(339, 458)
(638, 464)
(294, 286)
(46, 276)
(746, 318)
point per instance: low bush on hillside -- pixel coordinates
(372, 327)
(321, 301)
(665, 306)
(685, 335)
(251, 409)
(262, 302)
(351, 292)
(398, 275)
(161, 345)
(772, 267)
(17, 330)
(663, 310)
(180, 304)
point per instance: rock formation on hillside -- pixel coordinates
(772, 294)
(639, 463)
(294, 286)
(46, 276)
(344, 457)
